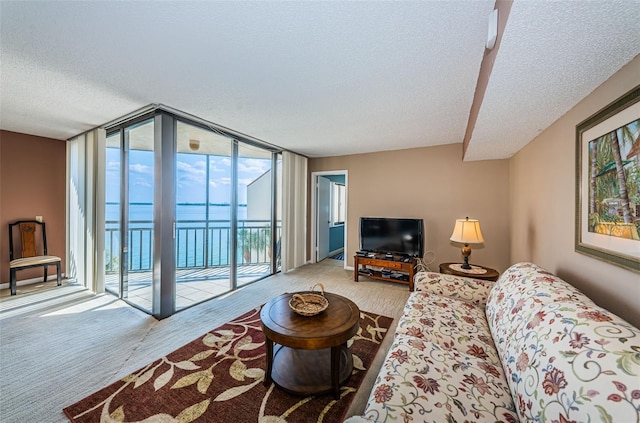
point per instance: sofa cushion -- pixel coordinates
(472, 290)
(450, 323)
(423, 382)
(575, 363)
(566, 359)
(518, 295)
(522, 288)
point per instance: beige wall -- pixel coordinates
(32, 182)
(542, 214)
(431, 183)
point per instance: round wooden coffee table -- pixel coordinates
(311, 356)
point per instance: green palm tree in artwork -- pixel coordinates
(611, 177)
(622, 178)
(603, 184)
(593, 149)
(630, 134)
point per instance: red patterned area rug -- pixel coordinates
(219, 378)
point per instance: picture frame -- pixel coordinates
(608, 183)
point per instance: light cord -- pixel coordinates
(423, 263)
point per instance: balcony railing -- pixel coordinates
(199, 244)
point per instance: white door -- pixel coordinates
(324, 216)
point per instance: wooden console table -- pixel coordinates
(402, 264)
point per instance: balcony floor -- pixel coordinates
(193, 285)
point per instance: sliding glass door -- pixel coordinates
(203, 214)
(138, 214)
(191, 212)
(129, 193)
(254, 213)
(112, 247)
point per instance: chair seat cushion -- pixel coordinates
(33, 261)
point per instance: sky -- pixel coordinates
(190, 180)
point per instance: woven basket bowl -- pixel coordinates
(309, 303)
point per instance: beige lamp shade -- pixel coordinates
(467, 231)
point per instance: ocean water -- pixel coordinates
(191, 229)
(144, 211)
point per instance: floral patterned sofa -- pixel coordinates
(527, 348)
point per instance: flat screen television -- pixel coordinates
(391, 235)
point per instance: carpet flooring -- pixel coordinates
(60, 345)
(219, 378)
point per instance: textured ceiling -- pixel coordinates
(552, 55)
(318, 78)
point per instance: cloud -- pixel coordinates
(217, 169)
(225, 181)
(140, 182)
(200, 164)
(245, 181)
(220, 165)
(259, 166)
(140, 168)
(191, 173)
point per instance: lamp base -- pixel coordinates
(466, 252)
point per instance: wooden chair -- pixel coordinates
(33, 238)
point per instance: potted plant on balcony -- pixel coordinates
(244, 241)
(254, 239)
(265, 241)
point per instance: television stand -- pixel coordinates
(389, 265)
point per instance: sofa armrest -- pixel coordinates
(475, 291)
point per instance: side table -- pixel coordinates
(489, 274)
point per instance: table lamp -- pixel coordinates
(467, 231)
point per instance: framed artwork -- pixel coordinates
(608, 183)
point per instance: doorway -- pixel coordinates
(329, 198)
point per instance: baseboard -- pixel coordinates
(334, 252)
(5, 285)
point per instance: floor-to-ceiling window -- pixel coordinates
(254, 211)
(225, 230)
(129, 214)
(203, 214)
(112, 247)
(276, 242)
